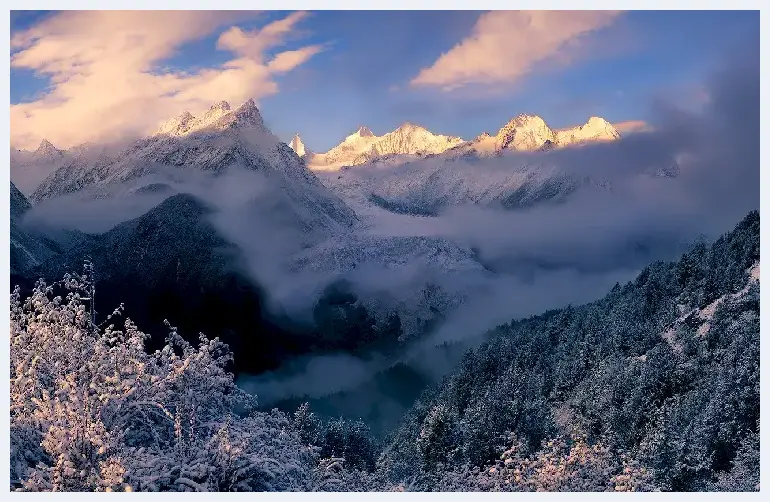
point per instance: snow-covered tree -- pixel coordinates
(437, 437)
(91, 409)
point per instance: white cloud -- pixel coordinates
(632, 126)
(505, 45)
(289, 60)
(253, 43)
(107, 75)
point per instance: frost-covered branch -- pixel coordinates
(93, 410)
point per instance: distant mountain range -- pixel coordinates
(522, 133)
(218, 139)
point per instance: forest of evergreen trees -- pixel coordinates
(660, 377)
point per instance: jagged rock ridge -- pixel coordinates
(530, 133)
(525, 132)
(363, 146)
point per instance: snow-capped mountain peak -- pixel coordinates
(30, 168)
(595, 129)
(525, 132)
(248, 114)
(222, 140)
(597, 121)
(46, 145)
(177, 125)
(363, 146)
(600, 126)
(524, 119)
(364, 132)
(350, 148)
(531, 133)
(219, 117)
(46, 151)
(297, 145)
(409, 126)
(223, 105)
(407, 139)
(217, 111)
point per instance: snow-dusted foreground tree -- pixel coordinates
(91, 409)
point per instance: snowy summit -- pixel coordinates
(525, 132)
(298, 146)
(363, 146)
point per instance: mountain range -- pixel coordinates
(525, 132)
(222, 137)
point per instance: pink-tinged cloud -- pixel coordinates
(252, 44)
(506, 45)
(107, 77)
(632, 126)
(288, 60)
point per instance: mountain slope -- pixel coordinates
(427, 186)
(171, 263)
(19, 203)
(27, 250)
(420, 278)
(655, 386)
(506, 171)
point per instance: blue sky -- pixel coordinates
(361, 68)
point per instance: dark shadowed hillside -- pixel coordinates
(171, 264)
